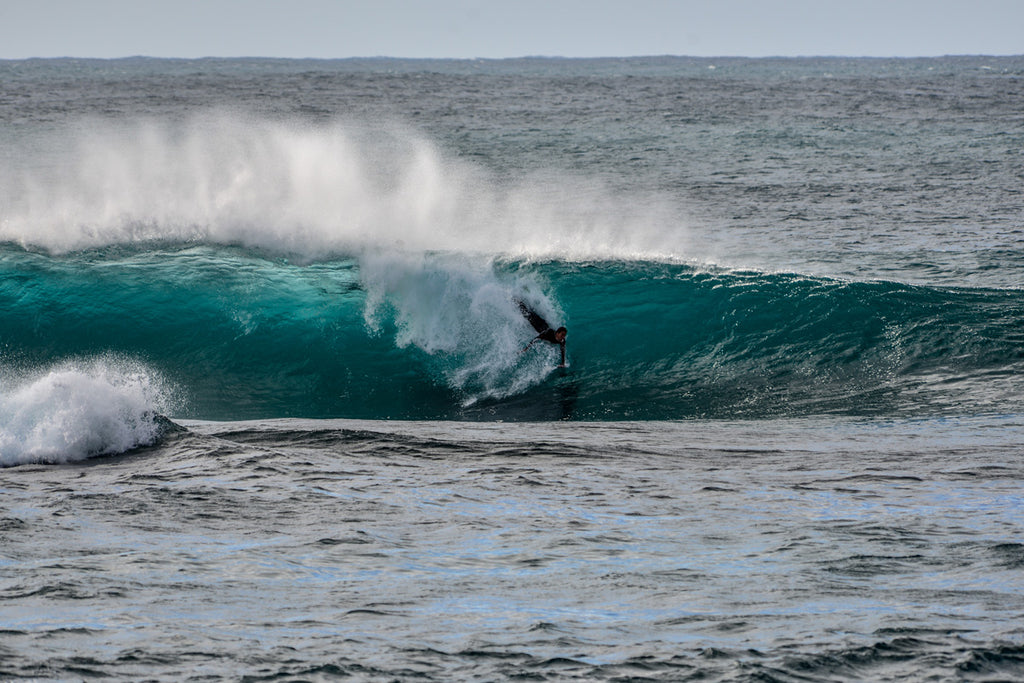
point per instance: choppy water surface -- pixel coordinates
(434, 551)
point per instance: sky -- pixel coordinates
(508, 28)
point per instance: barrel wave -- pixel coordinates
(225, 266)
(237, 333)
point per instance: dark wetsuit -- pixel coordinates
(544, 330)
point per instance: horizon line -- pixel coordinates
(520, 57)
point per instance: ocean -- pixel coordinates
(267, 410)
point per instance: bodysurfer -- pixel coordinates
(544, 331)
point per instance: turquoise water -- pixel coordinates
(246, 336)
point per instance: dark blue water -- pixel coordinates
(265, 410)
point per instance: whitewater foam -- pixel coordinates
(459, 311)
(78, 410)
(309, 190)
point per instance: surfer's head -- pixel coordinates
(560, 334)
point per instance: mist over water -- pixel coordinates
(306, 189)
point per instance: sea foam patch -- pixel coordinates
(78, 410)
(462, 313)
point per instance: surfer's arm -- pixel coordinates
(527, 347)
(562, 365)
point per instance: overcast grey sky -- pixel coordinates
(513, 28)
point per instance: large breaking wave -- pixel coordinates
(438, 336)
(267, 268)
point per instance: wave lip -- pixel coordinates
(76, 411)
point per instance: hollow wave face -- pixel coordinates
(296, 188)
(74, 411)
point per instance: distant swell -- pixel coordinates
(242, 334)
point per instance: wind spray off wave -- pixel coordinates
(302, 189)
